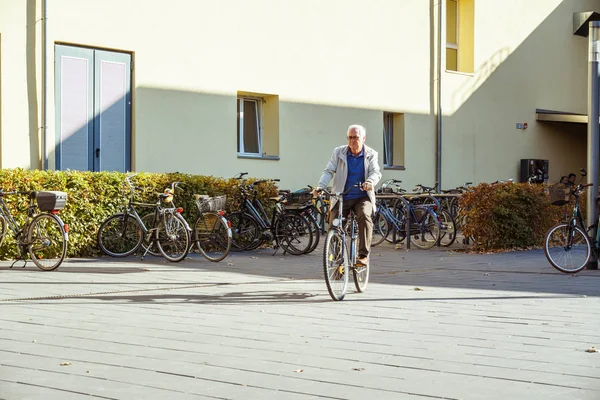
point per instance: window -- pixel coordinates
(393, 140)
(452, 35)
(257, 125)
(249, 125)
(459, 35)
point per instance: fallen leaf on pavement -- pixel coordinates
(418, 289)
(229, 264)
(254, 257)
(358, 369)
(65, 364)
(591, 350)
(299, 370)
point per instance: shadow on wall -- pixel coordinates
(507, 89)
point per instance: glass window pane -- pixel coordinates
(388, 133)
(251, 129)
(451, 21)
(451, 59)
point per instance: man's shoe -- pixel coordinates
(362, 261)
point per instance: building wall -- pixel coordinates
(331, 64)
(526, 57)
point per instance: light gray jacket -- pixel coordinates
(338, 166)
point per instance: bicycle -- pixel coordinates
(567, 245)
(43, 236)
(251, 226)
(212, 232)
(339, 257)
(122, 234)
(424, 223)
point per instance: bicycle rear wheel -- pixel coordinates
(2, 228)
(447, 229)
(120, 235)
(174, 238)
(47, 242)
(381, 229)
(293, 233)
(335, 266)
(361, 276)
(212, 236)
(567, 248)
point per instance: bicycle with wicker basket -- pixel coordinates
(212, 231)
(43, 236)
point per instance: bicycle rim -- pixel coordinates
(119, 235)
(173, 237)
(567, 248)
(47, 242)
(427, 231)
(212, 236)
(293, 233)
(381, 229)
(447, 229)
(244, 231)
(334, 266)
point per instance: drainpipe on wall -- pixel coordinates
(438, 172)
(593, 130)
(44, 84)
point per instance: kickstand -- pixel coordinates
(16, 261)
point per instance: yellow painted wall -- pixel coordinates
(331, 64)
(526, 57)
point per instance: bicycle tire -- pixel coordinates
(567, 256)
(381, 229)
(150, 238)
(361, 277)
(315, 231)
(447, 229)
(335, 265)
(47, 242)
(212, 236)
(120, 235)
(293, 233)
(428, 230)
(244, 231)
(173, 237)
(2, 228)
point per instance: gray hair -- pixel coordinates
(362, 132)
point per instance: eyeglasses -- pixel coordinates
(353, 137)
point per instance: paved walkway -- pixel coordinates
(433, 325)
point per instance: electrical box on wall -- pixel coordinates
(538, 169)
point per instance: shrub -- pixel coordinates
(94, 196)
(508, 215)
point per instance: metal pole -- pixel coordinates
(593, 131)
(45, 91)
(438, 167)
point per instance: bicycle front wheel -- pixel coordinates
(212, 236)
(335, 266)
(361, 276)
(567, 248)
(448, 229)
(427, 231)
(47, 242)
(173, 237)
(244, 231)
(120, 235)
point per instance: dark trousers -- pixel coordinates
(363, 209)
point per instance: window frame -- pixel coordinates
(259, 125)
(450, 45)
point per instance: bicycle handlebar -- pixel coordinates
(338, 194)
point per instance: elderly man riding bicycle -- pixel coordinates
(349, 164)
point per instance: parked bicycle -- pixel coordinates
(567, 245)
(212, 232)
(123, 233)
(339, 256)
(43, 236)
(251, 226)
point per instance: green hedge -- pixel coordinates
(93, 196)
(509, 216)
